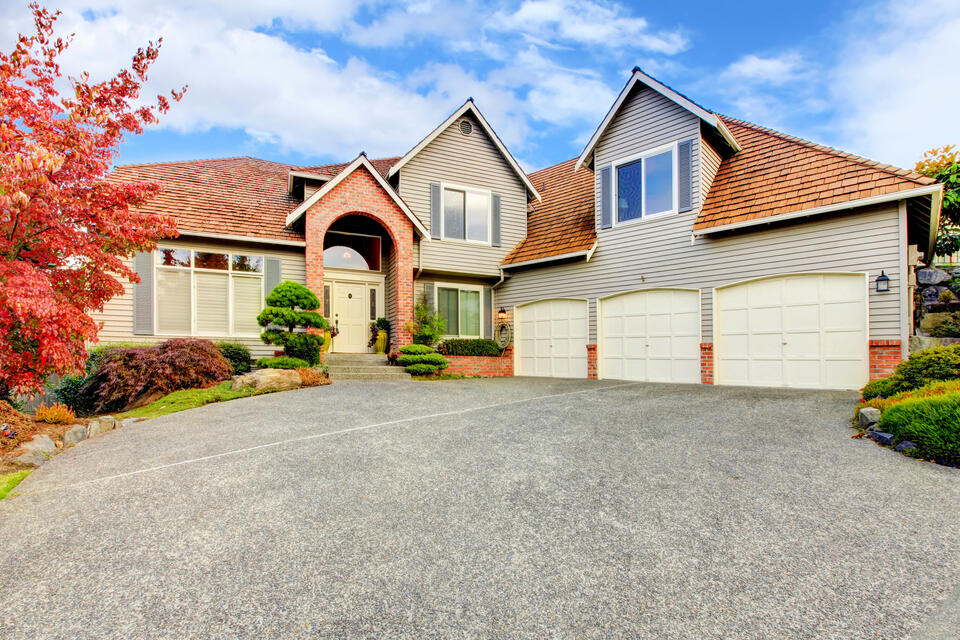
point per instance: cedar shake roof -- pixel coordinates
(564, 221)
(775, 173)
(228, 196)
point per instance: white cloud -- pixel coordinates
(894, 83)
(778, 70)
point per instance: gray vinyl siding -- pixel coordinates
(709, 164)
(117, 314)
(658, 253)
(471, 161)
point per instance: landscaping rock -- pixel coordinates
(29, 458)
(906, 445)
(42, 443)
(931, 295)
(279, 379)
(868, 416)
(128, 421)
(96, 426)
(76, 433)
(932, 276)
(882, 437)
(919, 343)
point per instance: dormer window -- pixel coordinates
(646, 185)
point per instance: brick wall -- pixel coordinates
(706, 363)
(885, 355)
(486, 366)
(592, 361)
(361, 194)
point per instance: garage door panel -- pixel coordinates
(633, 347)
(802, 330)
(552, 338)
(634, 325)
(687, 324)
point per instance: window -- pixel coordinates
(466, 214)
(351, 251)
(207, 293)
(459, 305)
(646, 186)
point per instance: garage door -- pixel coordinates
(552, 339)
(651, 335)
(804, 331)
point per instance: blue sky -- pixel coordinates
(312, 82)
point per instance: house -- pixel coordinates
(680, 246)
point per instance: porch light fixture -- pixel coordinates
(502, 314)
(883, 282)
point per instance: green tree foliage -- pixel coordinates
(291, 310)
(943, 165)
(428, 326)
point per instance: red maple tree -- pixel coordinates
(65, 228)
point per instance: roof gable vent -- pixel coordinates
(466, 127)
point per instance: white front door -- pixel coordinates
(351, 313)
(805, 331)
(651, 336)
(552, 339)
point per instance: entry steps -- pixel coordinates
(362, 366)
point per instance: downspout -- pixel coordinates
(419, 261)
(502, 278)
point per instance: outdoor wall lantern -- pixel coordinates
(502, 314)
(883, 282)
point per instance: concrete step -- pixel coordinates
(355, 359)
(355, 368)
(372, 376)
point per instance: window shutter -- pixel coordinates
(487, 313)
(606, 208)
(685, 175)
(143, 294)
(271, 275)
(428, 295)
(495, 220)
(434, 209)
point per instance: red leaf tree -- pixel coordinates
(65, 227)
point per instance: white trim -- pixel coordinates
(936, 202)
(665, 91)
(460, 287)
(591, 250)
(932, 189)
(467, 106)
(353, 276)
(476, 191)
(903, 284)
(304, 174)
(361, 161)
(641, 158)
(238, 238)
(586, 253)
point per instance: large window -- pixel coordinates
(357, 251)
(208, 293)
(646, 186)
(466, 214)
(460, 307)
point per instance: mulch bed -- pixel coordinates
(26, 428)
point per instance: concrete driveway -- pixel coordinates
(487, 508)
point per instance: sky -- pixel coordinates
(312, 81)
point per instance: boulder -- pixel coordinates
(882, 437)
(277, 379)
(76, 433)
(30, 458)
(919, 343)
(42, 443)
(906, 445)
(932, 276)
(96, 426)
(868, 416)
(931, 294)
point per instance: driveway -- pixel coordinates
(487, 509)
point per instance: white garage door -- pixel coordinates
(552, 339)
(804, 331)
(651, 335)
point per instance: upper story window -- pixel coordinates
(646, 185)
(466, 214)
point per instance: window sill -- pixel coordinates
(655, 216)
(475, 243)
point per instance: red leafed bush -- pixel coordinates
(127, 378)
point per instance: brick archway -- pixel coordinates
(360, 194)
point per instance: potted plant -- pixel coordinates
(379, 335)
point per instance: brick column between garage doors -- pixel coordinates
(706, 363)
(885, 355)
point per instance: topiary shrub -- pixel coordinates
(238, 355)
(881, 388)
(424, 358)
(422, 369)
(469, 347)
(128, 378)
(933, 423)
(291, 309)
(421, 360)
(283, 362)
(415, 348)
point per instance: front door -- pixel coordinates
(351, 316)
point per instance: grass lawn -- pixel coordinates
(190, 399)
(9, 480)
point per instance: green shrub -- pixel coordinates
(881, 388)
(933, 389)
(948, 328)
(422, 369)
(427, 325)
(469, 347)
(423, 358)
(939, 363)
(933, 423)
(283, 362)
(416, 348)
(238, 355)
(292, 309)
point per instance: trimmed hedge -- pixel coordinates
(469, 347)
(880, 388)
(416, 348)
(422, 369)
(933, 423)
(283, 362)
(238, 354)
(424, 358)
(421, 360)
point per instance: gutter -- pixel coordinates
(587, 254)
(237, 238)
